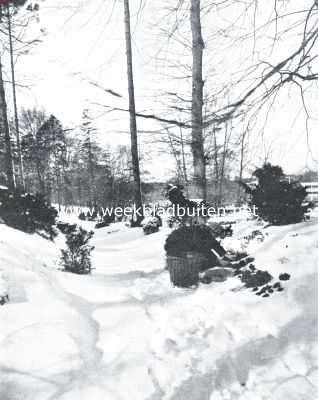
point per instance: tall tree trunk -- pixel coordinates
(197, 146)
(242, 154)
(4, 130)
(176, 157)
(227, 137)
(184, 165)
(132, 109)
(40, 170)
(91, 183)
(216, 163)
(15, 108)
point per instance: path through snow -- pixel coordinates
(125, 333)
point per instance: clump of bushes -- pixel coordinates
(27, 212)
(66, 228)
(278, 201)
(106, 221)
(4, 299)
(258, 280)
(82, 216)
(89, 216)
(76, 257)
(255, 278)
(195, 238)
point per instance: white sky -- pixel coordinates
(84, 41)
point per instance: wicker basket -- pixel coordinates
(184, 271)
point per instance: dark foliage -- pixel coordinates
(92, 216)
(176, 197)
(268, 290)
(255, 278)
(278, 201)
(195, 238)
(76, 257)
(27, 212)
(82, 216)
(106, 221)
(284, 277)
(101, 224)
(221, 230)
(88, 216)
(189, 211)
(66, 228)
(4, 299)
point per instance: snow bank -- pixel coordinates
(125, 333)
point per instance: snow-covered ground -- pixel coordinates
(125, 333)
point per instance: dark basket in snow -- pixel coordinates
(184, 271)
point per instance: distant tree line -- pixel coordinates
(69, 166)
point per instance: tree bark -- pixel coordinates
(4, 130)
(15, 108)
(197, 145)
(216, 163)
(132, 109)
(184, 165)
(177, 159)
(227, 137)
(242, 154)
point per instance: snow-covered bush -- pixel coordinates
(278, 201)
(76, 257)
(27, 212)
(150, 225)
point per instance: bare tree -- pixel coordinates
(14, 95)
(197, 146)
(242, 145)
(4, 130)
(132, 108)
(31, 121)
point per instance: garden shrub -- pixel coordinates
(76, 257)
(27, 212)
(101, 224)
(66, 228)
(195, 238)
(106, 221)
(255, 278)
(88, 216)
(92, 216)
(4, 299)
(82, 216)
(278, 201)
